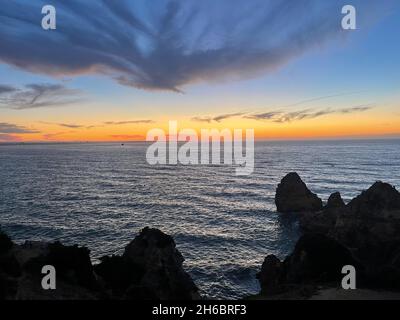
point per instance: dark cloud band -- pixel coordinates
(165, 45)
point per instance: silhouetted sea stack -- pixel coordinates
(292, 195)
(150, 268)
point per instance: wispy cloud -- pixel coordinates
(10, 132)
(202, 119)
(310, 113)
(145, 121)
(127, 136)
(282, 116)
(218, 118)
(320, 98)
(71, 125)
(53, 136)
(107, 123)
(37, 96)
(9, 138)
(357, 109)
(264, 115)
(169, 44)
(227, 116)
(13, 128)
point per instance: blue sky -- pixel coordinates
(113, 60)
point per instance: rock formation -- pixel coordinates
(271, 275)
(150, 268)
(370, 227)
(9, 268)
(324, 220)
(292, 195)
(21, 272)
(364, 233)
(316, 259)
(373, 216)
(335, 201)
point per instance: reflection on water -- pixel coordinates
(100, 195)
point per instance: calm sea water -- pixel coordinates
(101, 195)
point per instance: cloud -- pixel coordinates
(128, 122)
(202, 119)
(52, 136)
(9, 138)
(227, 116)
(127, 136)
(322, 98)
(80, 126)
(13, 128)
(70, 125)
(356, 109)
(6, 89)
(218, 118)
(37, 96)
(165, 45)
(9, 132)
(264, 115)
(311, 113)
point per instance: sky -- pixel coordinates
(112, 70)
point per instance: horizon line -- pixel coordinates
(349, 138)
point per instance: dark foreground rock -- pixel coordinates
(370, 227)
(335, 201)
(292, 195)
(316, 259)
(74, 272)
(324, 220)
(371, 218)
(364, 233)
(150, 268)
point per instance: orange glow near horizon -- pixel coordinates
(334, 126)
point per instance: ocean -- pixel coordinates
(101, 194)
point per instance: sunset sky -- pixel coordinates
(112, 70)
